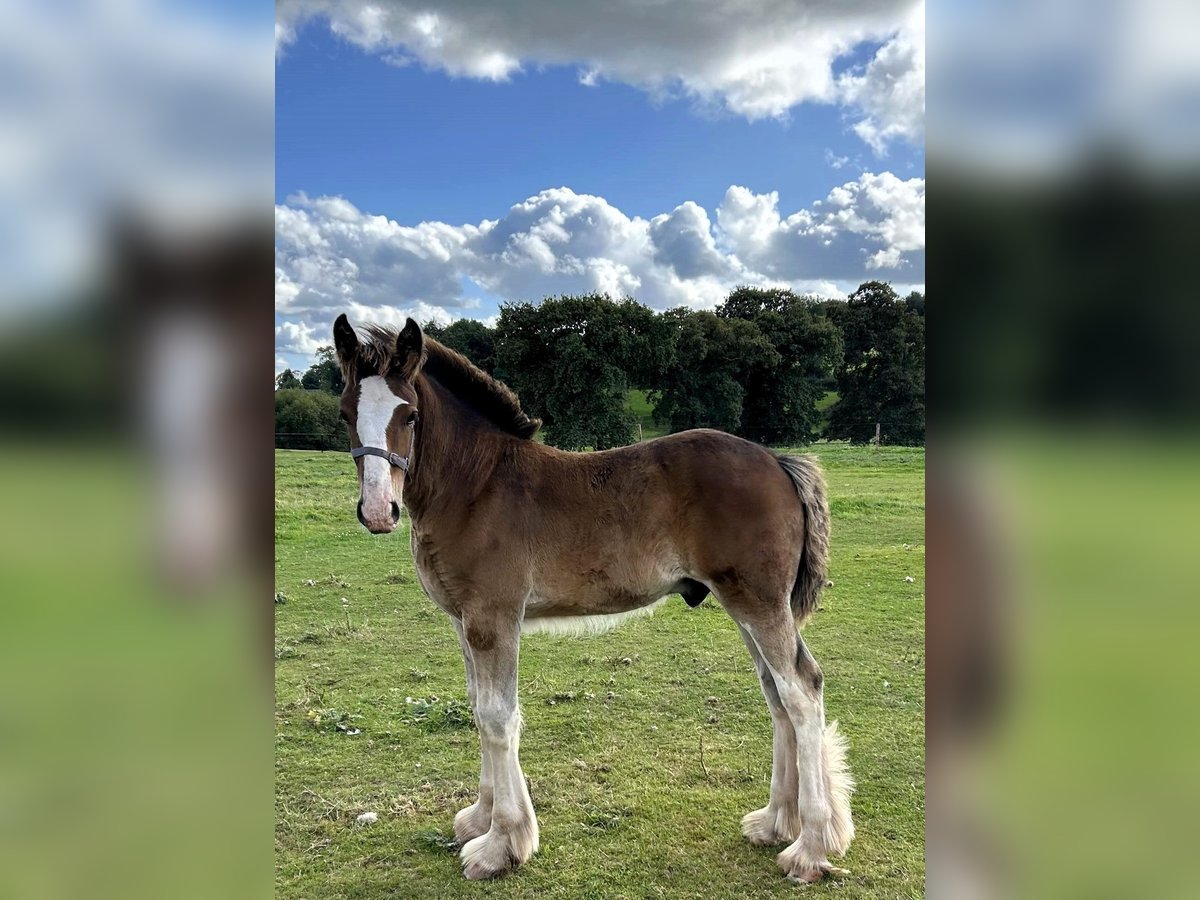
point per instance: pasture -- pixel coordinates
(644, 747)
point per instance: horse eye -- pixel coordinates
(412, 417)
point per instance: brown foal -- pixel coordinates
(510, 535)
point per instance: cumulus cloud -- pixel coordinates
(754, 59)
(888, 94)
(297, 337)
(862, 227)
(684, 241)
(332, 257)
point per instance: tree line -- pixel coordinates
(759, 366)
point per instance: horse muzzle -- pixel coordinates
(377, 523)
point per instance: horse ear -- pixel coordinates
(345, 341)
(410, 351)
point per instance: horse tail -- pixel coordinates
(806, 475)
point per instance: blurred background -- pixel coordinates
(136, 161)
(1063, 489)
(1063, 496)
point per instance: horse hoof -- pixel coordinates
(815, 874)
(471, 822)
(497, 852)
(485, 856)
(803, 869)
(762, 828)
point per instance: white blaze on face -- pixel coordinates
(376, 406)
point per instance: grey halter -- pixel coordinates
(400, 462)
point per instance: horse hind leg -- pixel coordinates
(824, 780)
(779, 821)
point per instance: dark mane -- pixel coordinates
(492, 399)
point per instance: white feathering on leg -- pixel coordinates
(839, 831)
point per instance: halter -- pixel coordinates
(400, 462)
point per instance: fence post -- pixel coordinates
(876, 440)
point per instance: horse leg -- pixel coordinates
(825, 783)
(778, 821)
(512, 835)
(476, 818)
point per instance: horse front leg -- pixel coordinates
(475, 819)
(512, 835)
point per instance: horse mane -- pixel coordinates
(492, 399)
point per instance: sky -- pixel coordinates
(436, 160)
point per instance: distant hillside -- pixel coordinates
(637, 404)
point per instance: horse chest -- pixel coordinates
(432, 582)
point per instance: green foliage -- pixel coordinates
(915, 302)
(764, 366)
(714, 357)
(573, 359)
(332, 720)
(308, 420)
(782, 389)
(325, 374)
(435, 714)
(883, 376)
(287, 380)
(471, 338)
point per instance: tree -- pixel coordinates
(472, 339)
(325, 374)
(705, 387)
(573, 359)
(882, 378)
(308, 420)
(782, 389)
(287, 380)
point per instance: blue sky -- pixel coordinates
(416, 144)
(384, 120)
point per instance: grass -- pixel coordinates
(637, 404)
(828, 399)
(644, 747)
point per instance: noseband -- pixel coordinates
(400, 462)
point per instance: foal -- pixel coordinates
(509, 535)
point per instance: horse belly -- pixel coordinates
(593, 606)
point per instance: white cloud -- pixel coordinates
(398, 315)
(683, 240)
(889, 92)
(835, 161)
(754, 59)
(861, 227)
(297, 337)
(332, 257)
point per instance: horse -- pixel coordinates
(509, 535)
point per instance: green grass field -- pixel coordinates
(637, 404)
(644, 747)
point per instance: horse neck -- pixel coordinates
(456, 452)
